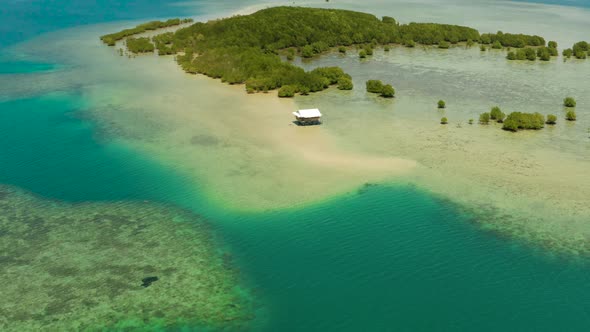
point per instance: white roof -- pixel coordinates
(309, 113)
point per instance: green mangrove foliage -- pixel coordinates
(163, 43)
(569, 102)
(442, 104)
(529, 53)
(245, 49)
(376, 86)
(410, 43)
(497, 114)
(551, 119)
(512, 40)
(140, 45)
(581, 50)
(570, 115)
(444, 121)
(388, 91)
(345, 83)
(112, 38)
(517, 120)
(432, 34)
(444, 44)
(484, 118)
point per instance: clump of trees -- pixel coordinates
(444, 121)
(581, 49)
(551, 119)
(140, 45)
(569, 102)
(570, 115)
(517, 121)
(529, 53)
(441, 104)
(112, 38)
(384, 90)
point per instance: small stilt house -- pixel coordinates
(308, 117)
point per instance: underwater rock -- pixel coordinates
(146, 282)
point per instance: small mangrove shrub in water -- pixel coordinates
(444, 121)
(374, 86)
(362, 54)
(442, 104)
(484, 118)
(388, 91)
(551, 119)
(570, 115)
(569, 102)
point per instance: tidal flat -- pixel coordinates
(113, 266)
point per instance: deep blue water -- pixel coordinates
(387, 259)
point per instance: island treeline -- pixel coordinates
(247, 49)
(112, 38)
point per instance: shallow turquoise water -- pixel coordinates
(395, 259)
(390, 258)
(45, 149)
